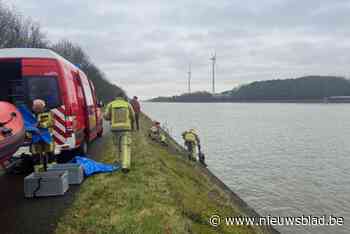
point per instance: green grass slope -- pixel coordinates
(163, 193)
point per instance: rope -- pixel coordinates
(13, 115)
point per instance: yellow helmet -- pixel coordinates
(192, 130)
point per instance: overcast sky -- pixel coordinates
(146, 46)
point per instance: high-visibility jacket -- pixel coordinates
(121, 115)
(190, 137)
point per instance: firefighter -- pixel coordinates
(156, 135)
(121, 115)
(191, 142)
(154, 131)
(43, 149)
(137, 109)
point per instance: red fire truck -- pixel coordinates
(28, 74)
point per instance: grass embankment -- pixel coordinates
(163, 193)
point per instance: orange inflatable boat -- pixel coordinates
(12, 131)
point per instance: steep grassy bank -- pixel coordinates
(163, 193)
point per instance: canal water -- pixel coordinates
(282, 159)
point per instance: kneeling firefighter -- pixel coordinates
(192, 142)
(122, 116)
(156, 135)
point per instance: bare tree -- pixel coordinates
(72, 52)
(17, 31)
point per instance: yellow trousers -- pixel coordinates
(42, 148)
(123, 142)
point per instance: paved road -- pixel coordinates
(35, 216)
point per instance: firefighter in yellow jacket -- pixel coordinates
(43, 149)
(191, 142)
(121, 115)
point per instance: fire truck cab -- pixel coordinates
(28, 74)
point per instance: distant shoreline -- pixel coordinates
(307, 89)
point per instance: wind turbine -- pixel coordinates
(213, 59)
(189, 78)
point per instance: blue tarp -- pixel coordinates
(30, 124)
(92, 167)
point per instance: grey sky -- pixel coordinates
(146, 46)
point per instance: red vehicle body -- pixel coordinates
(28, 74)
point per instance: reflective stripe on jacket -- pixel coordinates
(45, 120)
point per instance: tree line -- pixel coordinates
(304, 88)
(17, 31)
